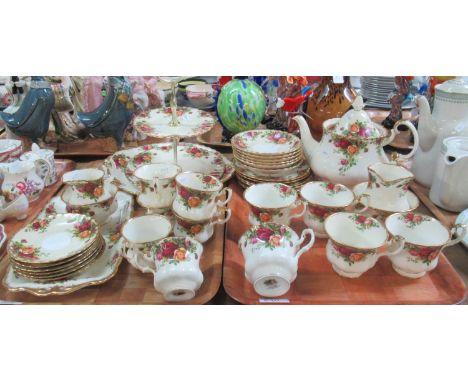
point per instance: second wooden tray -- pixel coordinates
(317, 283)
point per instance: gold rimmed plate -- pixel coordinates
(266, 142)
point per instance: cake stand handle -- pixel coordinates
(175, 143)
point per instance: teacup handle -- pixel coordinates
(228, 191)
(415, 135)
(395, 246)
(365, 203)
(48, 172)
(309, 245)
(299, 214)
(134, 258)
(223, 220)
(460, 236)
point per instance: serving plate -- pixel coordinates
(191, 157)
(191, 122)
(266, 142)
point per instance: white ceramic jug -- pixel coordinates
(20, 177)
(450, 185)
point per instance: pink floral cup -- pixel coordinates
(198, 196)
(424, 238)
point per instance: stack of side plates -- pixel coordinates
(269, 156)
(376, 92)
(55, 247)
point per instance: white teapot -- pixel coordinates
(349, 145)
(449, 118)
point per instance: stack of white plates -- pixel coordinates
(376, 92)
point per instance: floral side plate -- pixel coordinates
(266, 142)
(53, 238)
(191, 157)
(192, 122)
(100, 271)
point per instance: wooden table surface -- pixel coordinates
(317, 283)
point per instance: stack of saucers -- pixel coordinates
(269, 156)
(376, 91)
(55, 247)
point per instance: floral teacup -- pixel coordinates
(271, 252)
(199, 230)
(356, 242)
(87, 183)
(157, 185)
(272, 203)
(175, 263)
(99, 209)
(140, 234)
(424, 238)
(197, 195)
(323, 199)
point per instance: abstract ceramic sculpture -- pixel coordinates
(32, 118)
(111, 118)
(241, 105)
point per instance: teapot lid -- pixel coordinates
(356, 122)
(456, 85)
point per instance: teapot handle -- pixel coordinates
(415, 135)
(460, 236)
(309, 245)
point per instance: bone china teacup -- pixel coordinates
(140, 234)
(197, 195)
(271, 252)
(175, 263)
(325, 198)
(356, 242)
(424, 238)
(157, 185)
(272, 203)
(87, 183)
(200, 230)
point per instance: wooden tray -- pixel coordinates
(12, 225)
(129, 285)
(447, 218)
(317, 283)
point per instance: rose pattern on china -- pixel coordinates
(412, 220)
(142, 158)
(26, 186)
(319, 213)
(90, 190)
(331, 188)
(83, 229)
(264, 216)
(50, 209)
(278, 137)
(347, 254)
(190, 198)
(350, 143)
(268, 236)
(285, 191)
(25, 251)
(86, 210)
(423, 254)
(363, 222)
(189, 228)
(174, 250)
(39, 225)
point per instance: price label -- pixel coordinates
(274, 300)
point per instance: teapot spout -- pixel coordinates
(309, 144)
(426, 126)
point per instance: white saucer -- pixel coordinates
(412, 199)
